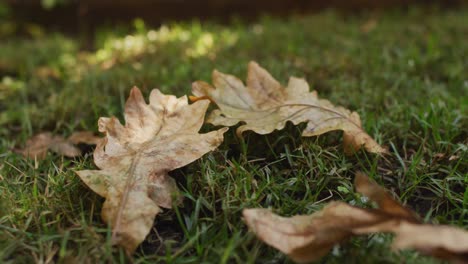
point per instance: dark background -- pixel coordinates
(84, 15)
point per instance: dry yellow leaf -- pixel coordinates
(134, 160)
(307, 238)
(264, 105)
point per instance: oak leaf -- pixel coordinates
(38, 145)
(264, 105)
(307, 238)
(135, 158)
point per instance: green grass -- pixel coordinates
(407, 79)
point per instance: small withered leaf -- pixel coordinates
(37, 146)
(84, 137)
(384, 199)
(134, 160)
(263, 105)
(306, 238)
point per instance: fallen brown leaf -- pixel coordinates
(84, 137)
(38, 145)
(307, 238)
(263, 105)
(134, 160)
(384, 199)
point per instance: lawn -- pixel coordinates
(404, 72)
